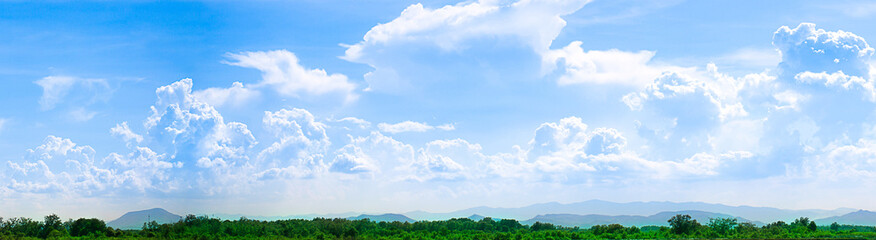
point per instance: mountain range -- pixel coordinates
(659, 219)
(760, 214)
(389, 217)
(582, 214)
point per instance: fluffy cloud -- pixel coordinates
(235, 96)
(191, 129)
(58, 166)
(456, 28)
(604, 67)
(568, 152)
(806, 48)
(193, 135)
(410, 126)
(144, 170)
(301, 146)
(842, 162)
(122, 130)
(282, 72)
(840, 80)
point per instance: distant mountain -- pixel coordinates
(860, 217)
(389, 217)
(762, 214)
(135, 220)
(659, 219)
(475, 217)
(274, 218)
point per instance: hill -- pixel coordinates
(761, 214)
(659, 219)
(389, 217)
(860, 217)
(135, 220)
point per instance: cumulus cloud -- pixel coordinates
(410, 126)
(840, 80)
(58, 166)
(196, 137)
(282, 72)
(300, 148)
(375, 153)
(842, 162)
(806, 48)
(455, 28)
(191, 129)
(144, 170)
(604, 67)
(122, 130)
(237, 95)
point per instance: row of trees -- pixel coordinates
(203, 227)
(53, 227)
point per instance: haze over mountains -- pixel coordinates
(582, 214)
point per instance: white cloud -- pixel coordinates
(806, 48)
(841, 162)
(57, 88)
(301, 146)
(237, 95)
(59, 166)
(840, 80)
(122, 130)
(144, 170)
(194, 129)
(192, 134)
(411, 126)
(456, 28)
(282, 72)
(604, 67)
(361, 123)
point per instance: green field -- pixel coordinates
(202, 227)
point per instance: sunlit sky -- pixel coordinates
(278, 108)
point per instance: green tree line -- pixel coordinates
(203, 227)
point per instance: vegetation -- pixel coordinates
(202, 227)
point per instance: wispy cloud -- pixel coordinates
(411, 126)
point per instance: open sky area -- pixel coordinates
(279, 108)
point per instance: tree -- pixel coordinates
(52, 222)
(722, 226)
(539, 226)
(682, 224)
(834, 226)
(84, 227)
(812, 226)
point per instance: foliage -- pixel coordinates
(683, 224)
(203, 227)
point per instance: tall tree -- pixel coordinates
(683, 224)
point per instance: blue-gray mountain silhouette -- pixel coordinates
(761, 214)
(659, 219)
(860, 217)
(135, 220)
(389, 217)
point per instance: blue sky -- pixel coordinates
(283, 108)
